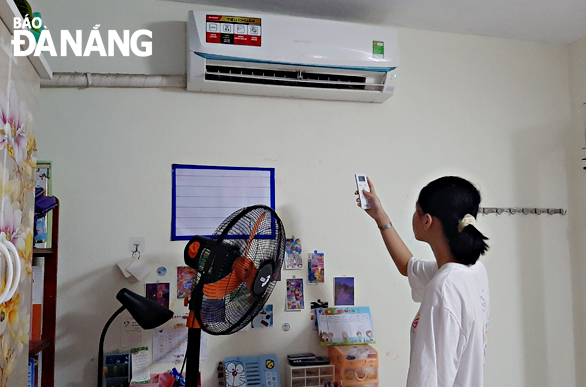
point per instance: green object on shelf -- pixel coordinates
(26, 11)
(24, 8)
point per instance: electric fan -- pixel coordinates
(236, 271)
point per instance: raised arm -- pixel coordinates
(395, 245)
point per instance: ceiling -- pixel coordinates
(553, 21)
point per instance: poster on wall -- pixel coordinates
(295, 295)
(315, 267)
(203, 196)
(343, 290)
(158, 292)
(185, 281)
(264, 319)
(345, 326)
(293, 260)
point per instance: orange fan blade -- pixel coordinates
(243, 270)
(253, 232)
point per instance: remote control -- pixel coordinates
(362, 184)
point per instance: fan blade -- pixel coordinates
(253, 232)
(243, 270)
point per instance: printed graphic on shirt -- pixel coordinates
(415, 322)
(485, 339)
(483, 303)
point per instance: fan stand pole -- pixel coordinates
(192, 353)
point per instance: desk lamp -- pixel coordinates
(147, 313)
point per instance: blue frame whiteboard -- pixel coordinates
(203, 196)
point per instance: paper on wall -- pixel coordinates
(170, 344)
(131, 333)
(140, 365)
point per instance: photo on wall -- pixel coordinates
(295, 295)
(185, 281)
(315, 267)
(158, 292)
(293, 260)
(343, 291)
(264, 319)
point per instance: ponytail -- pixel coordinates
(468, 245)
(455, 201)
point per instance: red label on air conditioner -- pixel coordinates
(237, 30)
(241, 40)
(254, 41)
(212, 37)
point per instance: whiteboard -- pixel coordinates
(203, 196)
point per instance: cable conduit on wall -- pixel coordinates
(86, 80)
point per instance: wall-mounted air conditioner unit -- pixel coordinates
(284, 56)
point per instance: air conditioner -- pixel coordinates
(284, 56)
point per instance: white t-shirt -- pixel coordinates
(448, 335)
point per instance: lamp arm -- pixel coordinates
(101, 349)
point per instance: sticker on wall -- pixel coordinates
(315, 267)
(162, 271)
(286, 327)
(293, 260)
(295, 296)
(265, 318)
(343, 290)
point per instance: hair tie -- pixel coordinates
(466, 221)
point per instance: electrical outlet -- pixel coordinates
(136, 243)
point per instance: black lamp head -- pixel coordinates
(147, 313)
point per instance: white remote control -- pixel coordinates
(362, 184)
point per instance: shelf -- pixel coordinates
(8, 11)
(46, 345)
(36, 346)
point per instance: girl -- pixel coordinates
(448, 334)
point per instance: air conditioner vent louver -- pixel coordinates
(284, 77)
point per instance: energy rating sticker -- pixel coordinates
(242, 31)
(378, 49)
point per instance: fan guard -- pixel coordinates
(237, 269)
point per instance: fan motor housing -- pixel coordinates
(201, 251)
(265, 272)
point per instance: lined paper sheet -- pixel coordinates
(204, 196)
(170, 344)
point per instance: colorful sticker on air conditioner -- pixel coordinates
(378, 49)
(237, 30)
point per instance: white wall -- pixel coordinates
(576, 196)
(495, 111)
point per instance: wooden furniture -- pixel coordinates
(46, 346)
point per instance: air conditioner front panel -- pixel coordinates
(301, 40)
